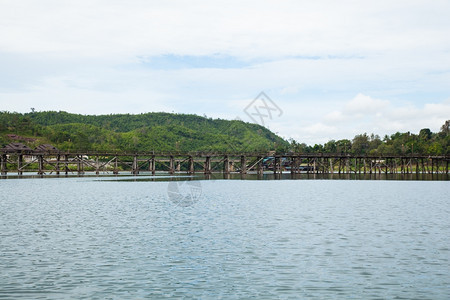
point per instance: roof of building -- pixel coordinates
(46, 148)
(16, 147)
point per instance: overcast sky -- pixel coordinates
(333, 69)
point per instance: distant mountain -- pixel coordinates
(142, 132)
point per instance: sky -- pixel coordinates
(326, 69)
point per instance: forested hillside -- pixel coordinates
(184, 133)
(143, 132)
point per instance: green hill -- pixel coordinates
(141, 133)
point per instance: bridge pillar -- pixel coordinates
(135, 166)
(19, 164)
(66, 164)
(446, 168)
(208, 165)
(4, 160)
(243, 165)
(276, 164)
(171, 165)
(191, 169)
(80, 165)
(226, 165)
(97, 166)
(41, 164)
(116, 170)
(307, 165)
(152, 165)
(314, 166)
(432, 165)
(58, 158)
(293, 164)
(417, 166)
(259, 166)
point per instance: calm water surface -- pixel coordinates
(95, 238)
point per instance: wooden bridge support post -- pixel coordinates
(365, 166)
(387, 165)
(66, 164)
(417, 166)
(116, 169)
(308, 164)
(81, 165)
(276, 164)
(58, 158)
(294, 164)
(135, 166)
(41, 164)
(259, 166)
(97, 166)
(315, 166)
(243, 165)
(446, 167)
(405, 169)
(423, 166)
(4, 164)
(78, 165)
(191, 169)
(226, 165)
(208, 165)
(152, 165)
(19, 164)
(432, 166)
(171, 165)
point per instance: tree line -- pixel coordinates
(187, 132)
(424, 142)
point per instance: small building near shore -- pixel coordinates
(46, 148)
(16, 148)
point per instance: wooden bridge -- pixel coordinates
(65, 162)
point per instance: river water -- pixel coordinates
(136, 238)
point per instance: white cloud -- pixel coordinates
(246, 29)
(335, 116)
(363, 104)
(310, 57)
(366, 114)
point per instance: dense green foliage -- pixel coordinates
(143, 132)
(187, 133)
(425, 142)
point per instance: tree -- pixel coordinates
(360, 144)
(446, 127)
(425, 134)
(343, 146)
(330, 147)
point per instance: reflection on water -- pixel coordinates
(101, 237)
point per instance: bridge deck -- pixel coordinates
(190, 162)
